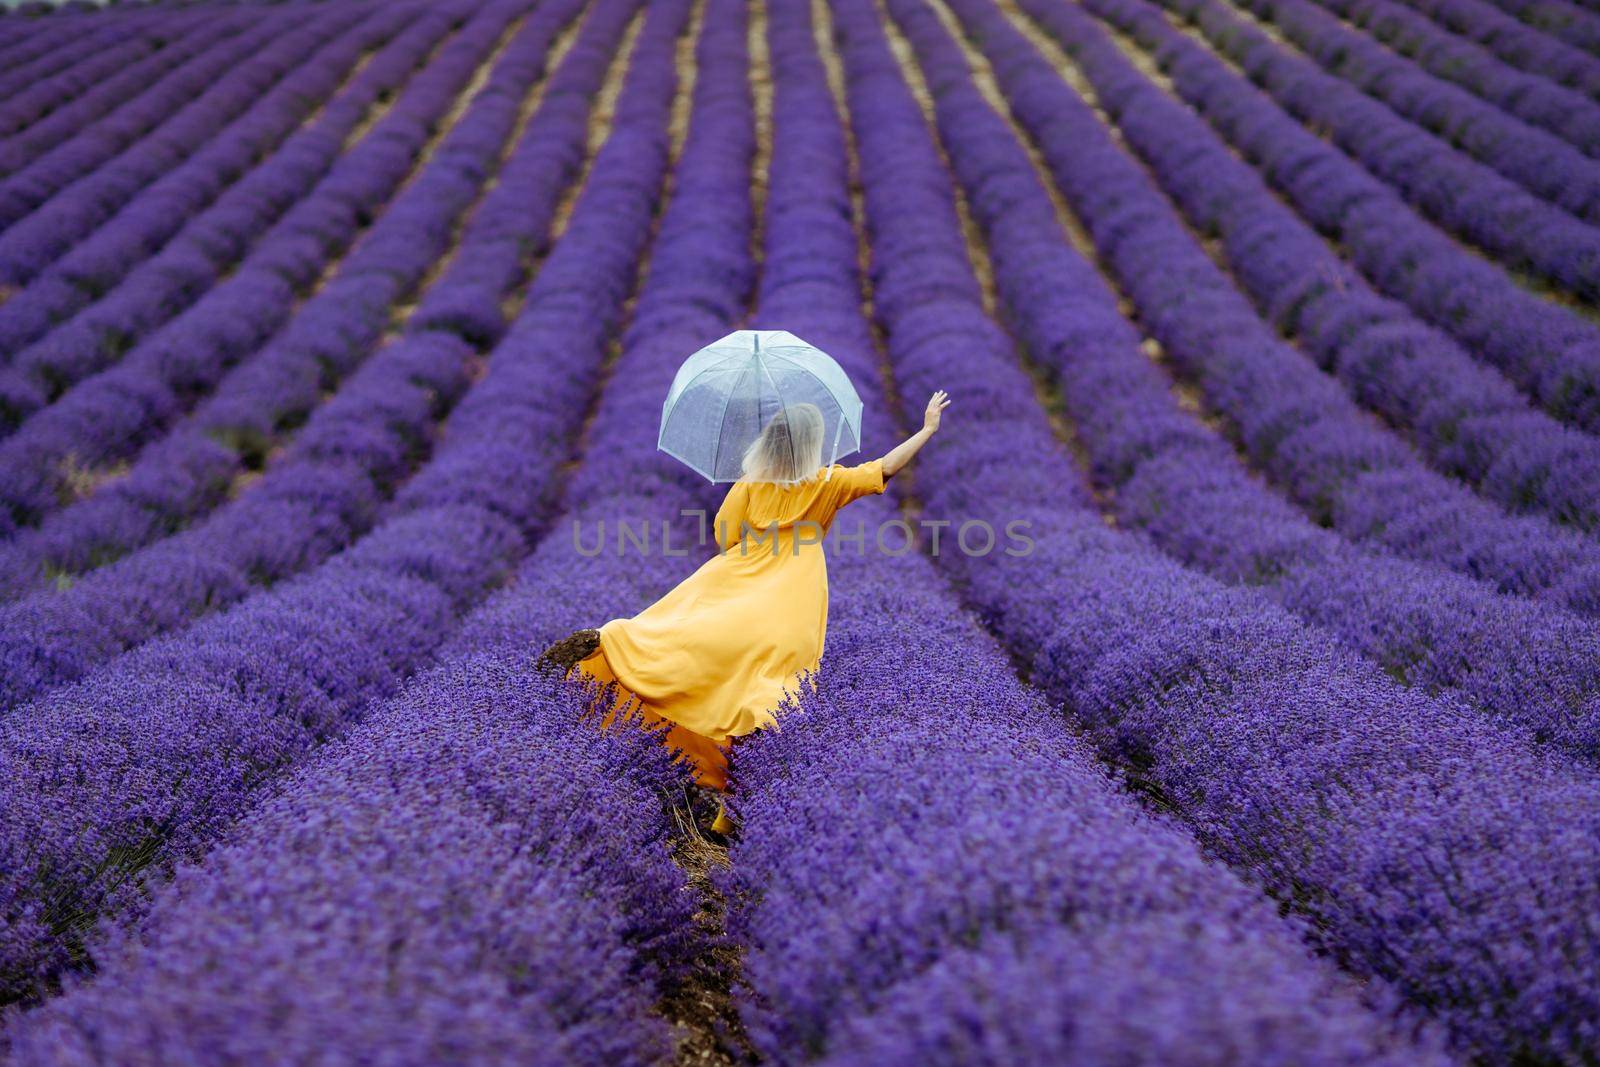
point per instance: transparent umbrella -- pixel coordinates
(726, 393)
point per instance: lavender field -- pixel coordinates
(326, 327)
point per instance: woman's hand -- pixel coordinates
(936, 405)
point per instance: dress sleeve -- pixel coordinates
(853, 483)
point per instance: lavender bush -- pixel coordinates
(181, 37)
(1169, 474)
(1463, 417)
(42, 371)
(1539, 161)
(508, 729)
(1564, 112)
(1517, 44)
(1002, 864)
(1565, 22)
(33, 90)
(28, 244)
(333, 332)
(110, 413)
(178, 204)
(1549, 351)
(1215, 701)
(1486, 209)
(473, 876)
(1293, 421)
(192, 63)
(259, 403)
(31, 57)
(243, 693)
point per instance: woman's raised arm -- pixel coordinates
(901, 454)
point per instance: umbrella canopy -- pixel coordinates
(725, 395)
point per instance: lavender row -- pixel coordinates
(1565, 22)
(24, 47)
(1539, 161)
(88, 99)
(1169, 475)
(1547, 350)
(1411, 830)
(1522, 46)
(558, 590)
(330, 485)
(166, 82)
(131, 295)
(258, 405)
(483, 708)
(29, 245)
(506, 232)
(474, 876)
(79, 117)
(696, 286)
(1011, 897)
(1011, 906)
(34, 90)
(1486, 209)
(143, 227)
(36, 56)
(208, 715)
(174, 269)
(184, 728)
(1568, 113)
(109, 415)
(1292, 421)
(501, 238)
(533, 400)
(1466, 418)
(70, 10)
(191, 467)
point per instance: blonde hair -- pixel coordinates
(789, 449)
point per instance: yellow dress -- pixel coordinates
(714, 657)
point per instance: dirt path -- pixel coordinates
(702, 1007)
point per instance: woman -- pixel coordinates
(715, 656)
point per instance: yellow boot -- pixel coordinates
(722, 824)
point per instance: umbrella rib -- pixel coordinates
(793, 459)
(716, 450)
(777, 353)
(702, 372)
